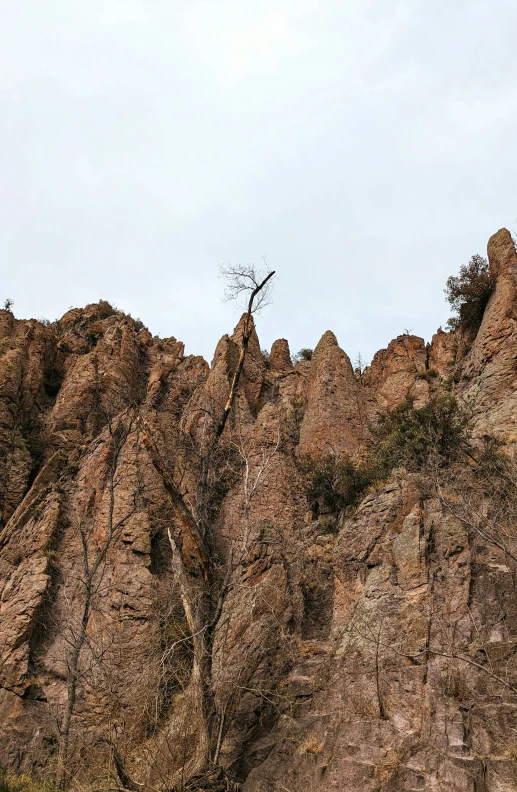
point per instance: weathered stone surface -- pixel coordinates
(374, 719)
(443, 353)
(334, 420)
(21, 599)
(280, 356)
(26, 360)
(490, 372)
(395, 373)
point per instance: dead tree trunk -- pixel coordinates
(90, 570)
(188, 540)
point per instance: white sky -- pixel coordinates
(367, 148)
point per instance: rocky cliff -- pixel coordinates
(372, 649)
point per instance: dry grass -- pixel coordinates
(312, 746)
(22, 783)
(387, 770)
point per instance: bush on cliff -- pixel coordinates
(332, 483)
(303, 355)
(468, 294)
(405, 437)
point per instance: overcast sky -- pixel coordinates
(366, 148)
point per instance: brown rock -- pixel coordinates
(489, 371)
(443, 353)
(334, 419)
(395, 374)
(280, 356)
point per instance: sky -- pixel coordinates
(362, 149)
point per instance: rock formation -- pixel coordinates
(374, 650)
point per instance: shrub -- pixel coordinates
(303, 354)
(225, 471)
(468, 294)
(496, 470)
(429, 375)
(291, 422)
(8, 304)
(408, 436)
(312, 746)
(106, 309)
(331, 482)
(265, 357)
(95, 331)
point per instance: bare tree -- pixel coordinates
(190, 535)
(93, 560)
(256, 286)
(359, 363)
(257, 464)
(485, 501)
(451, 652)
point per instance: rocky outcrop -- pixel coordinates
(280, 356)
(27, 379)
(396, 373)
(489, 371)
(443, 354)
(372, 650)
(334, 420)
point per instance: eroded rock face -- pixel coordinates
(396, 373)
(443, 353)
(334, 420)
(27, 377)
(376, 711)
(490, 367)
(335, 652)
(280, 356)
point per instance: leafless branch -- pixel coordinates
(251, 286)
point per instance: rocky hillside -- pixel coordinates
(176, 613)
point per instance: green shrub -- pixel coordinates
(468, 294)
(291, 422)
(405, 437)
(496, 477)
(408, 436)
(331, 482)
(265, 356)
(303, 354)
(429, 375)
(496, 468)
